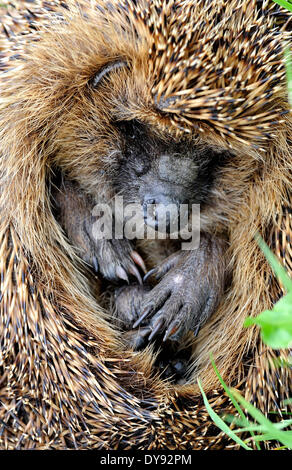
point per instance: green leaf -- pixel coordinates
(276, 324)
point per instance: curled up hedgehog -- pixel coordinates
(161, 102)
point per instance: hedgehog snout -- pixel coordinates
(162, 212)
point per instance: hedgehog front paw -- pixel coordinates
(113, 259)
(116, 260)
(186, 295)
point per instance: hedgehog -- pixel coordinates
(164, 179)
(211, 71)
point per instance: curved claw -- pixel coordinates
(121, 274)
(139, 261)
(146, 311)
(149, 274)
(171, 330)
(196, 330)
(133, 270)
(155, 329)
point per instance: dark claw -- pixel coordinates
(155, 329)
(171, 330)
(149, 274)
(196, 331)
(95, 264)
(146, 311)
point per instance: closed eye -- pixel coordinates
(107, 69)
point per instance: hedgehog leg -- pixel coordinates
(115, 260)
(171, 362)
(187, 294)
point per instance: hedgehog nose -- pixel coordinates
(161, 213)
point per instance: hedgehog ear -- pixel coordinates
(104, 71)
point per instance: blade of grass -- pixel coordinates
(284, 3)
(266, 437)
(282, 436)
(256, 427)
(231, 396)
(220, 423)
(278, 269)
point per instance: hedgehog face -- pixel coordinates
(161, 174)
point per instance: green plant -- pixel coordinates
(276, 324)
(276, 330)
(261, 429)
(284, 3)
